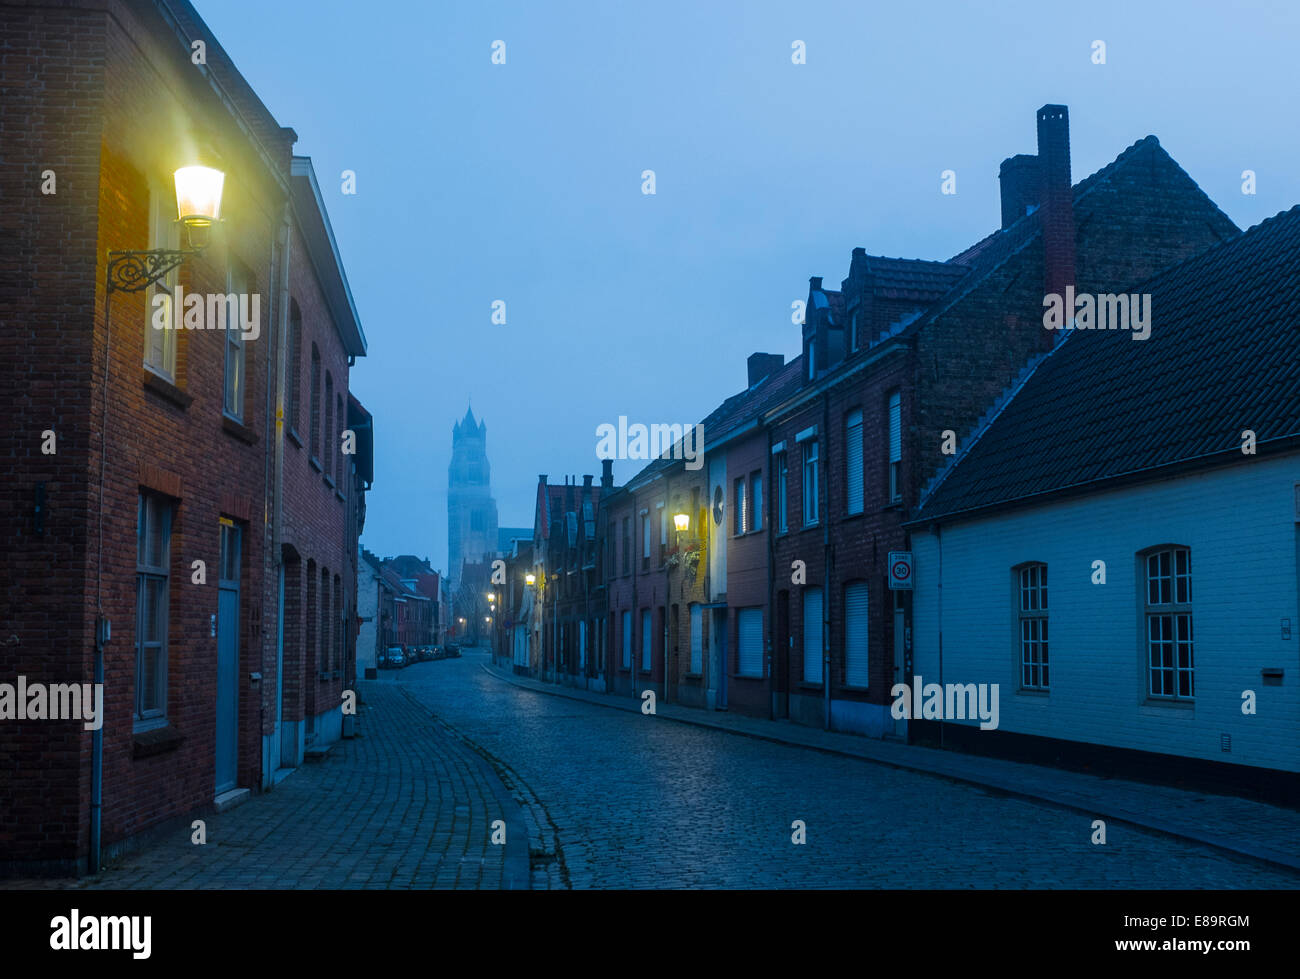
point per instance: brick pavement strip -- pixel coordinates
(1240, 827)
(403, 805)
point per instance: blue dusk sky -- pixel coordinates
(522, 182)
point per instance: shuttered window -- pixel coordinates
(582, 645)
(697, 639)
(895, 447)
(855, 634)
(749, 628)
(646, 638)
(627, 640)
(853, 461)
(812, 635)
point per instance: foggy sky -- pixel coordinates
(522, 182)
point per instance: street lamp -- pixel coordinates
(530, 579)
(198, 208)
(682, 521)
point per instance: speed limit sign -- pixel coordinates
(900, 570)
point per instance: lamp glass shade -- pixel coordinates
(530, 579)
(198, 195)
(681, 521)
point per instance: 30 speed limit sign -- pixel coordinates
(900, 570)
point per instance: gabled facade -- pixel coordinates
(1115, 548)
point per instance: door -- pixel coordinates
(900, 662)
(718, 659)
(227, 739)
(781, 657)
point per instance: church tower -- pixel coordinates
(471, 511)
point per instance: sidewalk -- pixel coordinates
(1256, 830)
(404, 805)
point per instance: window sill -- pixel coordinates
(854, 688)
(329, 480)
(166, 389)
(239, 430)
(805, 685)
(294, 437)
(1034, 692)
(314, 463)
(155, 741)
(1170, 703)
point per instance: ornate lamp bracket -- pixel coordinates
(134, 271)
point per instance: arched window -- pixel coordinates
(292, 369)
(327, 449)
(1031, 625)
(315, 400)
(1166, 576)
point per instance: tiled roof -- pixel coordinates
(914, 279)
(735, 412)
(1223, 356)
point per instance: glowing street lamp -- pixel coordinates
(682, 521)
(530, 579)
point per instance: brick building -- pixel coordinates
(145, 532)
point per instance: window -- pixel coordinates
(152, 566)
(853, 330)
(812, 635)
(340, 462)
(663, 531)
(697, 639)
(782, 479)
(853, 462)
(749, 641)
(895, 448)
(293, 354)
(340, 620)
(1032, 626)
(627, 640)
(756, 506)
(738, 507)
(812, 358)
(647, 637)
(327, 442)
(1169, 623)
(237, 292)
(315, 400)
(160, 345)
(627, 545)
(856, 673)
(810, 482)
(323, 650)
(645, 541)
(582, 645)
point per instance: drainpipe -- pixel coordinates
(826, 555)
(277, 515)
(668, 587)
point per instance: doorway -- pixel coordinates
(227, 735)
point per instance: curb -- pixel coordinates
(516, 867)
(1270, 858)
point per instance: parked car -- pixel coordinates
(453, 649)
(396, 657)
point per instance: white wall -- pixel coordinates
(1240, 523)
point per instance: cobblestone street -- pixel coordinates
(605, 798)
(639, 801)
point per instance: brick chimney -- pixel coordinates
(606, 475)
(763, 365)
(1020, 178)
(1057, 199)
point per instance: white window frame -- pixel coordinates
(232, 401)
(811, 461)
(155, 576)
(1167, 623)
(1031, 626)
(164, 232)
